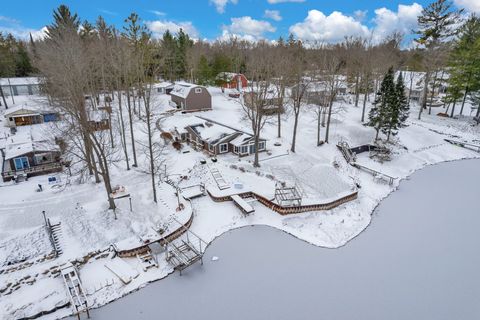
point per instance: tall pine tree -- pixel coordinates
(379, 113)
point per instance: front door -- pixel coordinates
(21, 163)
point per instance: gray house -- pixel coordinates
(191, 97)
(20, 86)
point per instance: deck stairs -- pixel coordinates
(55, 233)
(147, 260)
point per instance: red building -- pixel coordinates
(232, 80)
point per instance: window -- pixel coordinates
(261, 145)
(211, 147)
(244, 149)
(198, 90)
(223, 148)
(235, 149)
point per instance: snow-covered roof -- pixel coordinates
(30, 109)
(242, 139)
(212, 133)
(26, 141)
(227, 76)
(164, 84)
(182, 89)
(19, 81)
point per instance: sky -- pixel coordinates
(320, 20)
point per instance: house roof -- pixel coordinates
(227, 76)
(163, 84)
(19, 81)
(25, 110)
(182, 89)
(25, 141)
(242, 139)
(212, 133)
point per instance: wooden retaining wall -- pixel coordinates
(289, 210)
(144, 248)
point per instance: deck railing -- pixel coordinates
(43, 168)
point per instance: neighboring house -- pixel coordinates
(24, 155)
(232, 80)
(318, 92)
(216, 138)
(191, 97)
(270, 100)
(20, 86)
(163, 87)
(24, 116)
(99, 120)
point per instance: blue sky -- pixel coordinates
(323, 20)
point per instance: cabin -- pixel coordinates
(25, 155)
(190, 97)
(163, 87)
(319, 92)
(231, 80)
(25, 86)
(25, 116)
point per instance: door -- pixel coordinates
(21, 163)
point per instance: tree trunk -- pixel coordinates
(3, 98)
(357, 93)
(129, 108)
(256, 162)
(150, 150)
(295, 124)
(464, 99)
(423, 104)
(327, 131)
(453, 108)
(433, 92)
(410, 89)
(122, 127)
(319, 116)
(365, 100)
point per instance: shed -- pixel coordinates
(190, 97)
(232, 80)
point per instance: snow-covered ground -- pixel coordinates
(88, 227)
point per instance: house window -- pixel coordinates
(21, 163)
(235, 149)
(211, 147)
(223, 148)
(244, 149)
(198, 90)
(11, 118)
(261, 145)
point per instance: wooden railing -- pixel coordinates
(293, 209)
(43, 168)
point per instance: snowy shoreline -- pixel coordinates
(216, 238)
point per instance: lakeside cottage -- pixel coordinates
(216, 138)
(190, 97)
(28, 155)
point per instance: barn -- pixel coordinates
(232, 80)
(191, 97)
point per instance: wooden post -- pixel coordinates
(130, 200)
(44, 217)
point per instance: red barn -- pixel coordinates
(232, 80)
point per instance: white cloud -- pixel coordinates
(273, 14)
(360, 15)
(283, 1)
(404, 20)
(221, 4)
(14, 26)
(333, 28)
(158, 28)
(469, 5)
(158, 13)
(247, 27)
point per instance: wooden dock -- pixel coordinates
(75, 290)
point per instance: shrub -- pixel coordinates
(177, 145)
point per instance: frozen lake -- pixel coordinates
(419, 259)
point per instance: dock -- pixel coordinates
(78, 299)
(466, 145)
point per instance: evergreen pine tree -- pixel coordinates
(204, 70)
(403, 105)
(378, 116)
